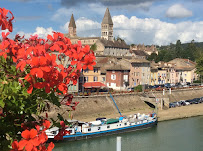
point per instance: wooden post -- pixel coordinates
(118, 146)
(161, 103)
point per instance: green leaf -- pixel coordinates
(2, 104)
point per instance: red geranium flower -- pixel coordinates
(30, 140)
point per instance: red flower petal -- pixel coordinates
(36, 71)
(21, 65)
(15, 145)
(50, 147)
(29, 90)
(50, 37)
(62, 124)
(46, 124)
(29, 134)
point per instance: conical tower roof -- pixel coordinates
(72, 22)
(107, 18)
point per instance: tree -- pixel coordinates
(30, 80)
(94, 47)
(161, 55)
(178, 49)
(152, 57)
(199, 66)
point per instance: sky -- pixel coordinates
(148, 22)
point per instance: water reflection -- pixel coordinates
(176, 135)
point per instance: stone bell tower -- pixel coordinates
(107, 26)
(72, 27)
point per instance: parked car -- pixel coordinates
(188, 83)
(167, 85)
(131, 89)
(189, 101)
(172, 105)
(182, 103)
(155, 86)
(196, 100)
(178, 85)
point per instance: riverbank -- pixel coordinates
(163, 115)
(181, 112)
(92, 107)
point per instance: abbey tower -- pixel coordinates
(72, 27)
(107, 26)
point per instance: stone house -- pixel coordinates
(117, 77)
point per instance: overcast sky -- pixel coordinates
(159, 22)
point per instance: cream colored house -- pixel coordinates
(185, 70)
(154, 73)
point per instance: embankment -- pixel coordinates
(102, 105)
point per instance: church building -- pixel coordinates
(106, 45)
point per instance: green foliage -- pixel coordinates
(138, 88)
(190, 51)
(17, 105)
(94, 47)
(178, 49)
(199, 66)
(152, 57)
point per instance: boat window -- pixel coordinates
(108, 126)
(117, 125)
(89, 129)
(70, 131)
(120, 124)
(99, 128)
(125, 123)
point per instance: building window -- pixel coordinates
(95, 70)
(86, 71)
(95, 78)
(103, 79)
(86, 79)
(113, 71)
(125, 78)
(113, 77)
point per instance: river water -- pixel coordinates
(175, 135)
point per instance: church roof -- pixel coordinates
(114, 44)
(139, 53)
(72, 22)
(107, 18)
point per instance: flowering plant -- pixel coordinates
(34, 72)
